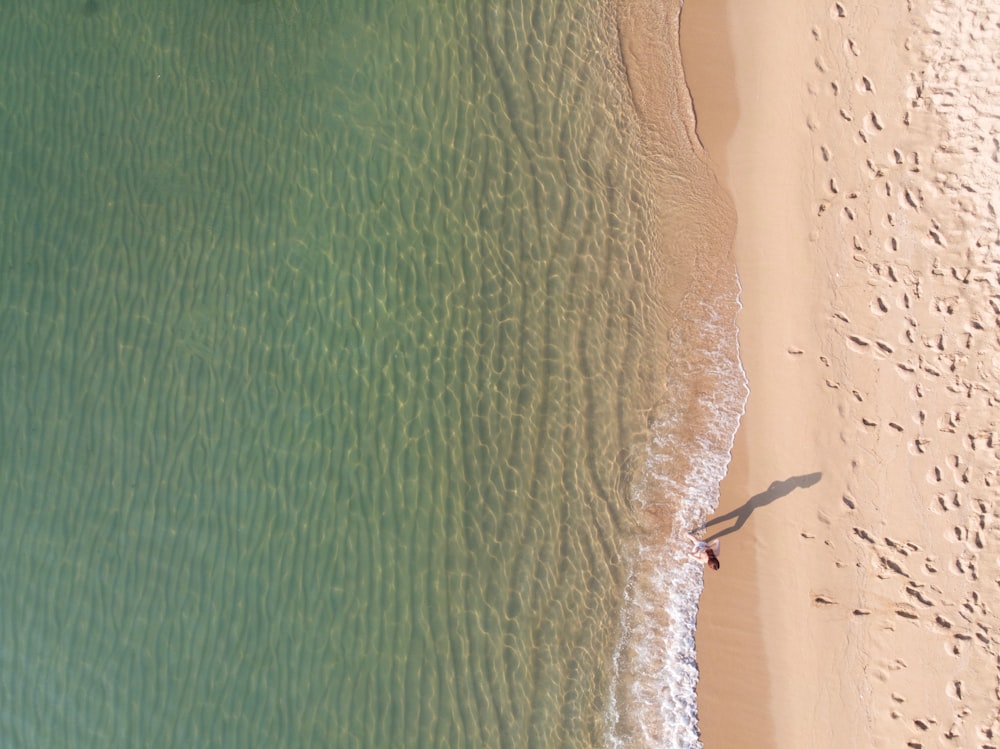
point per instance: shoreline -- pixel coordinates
(855, 609)
(736, 660)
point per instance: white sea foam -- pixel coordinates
(653, 700)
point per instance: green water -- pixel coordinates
(322, 333)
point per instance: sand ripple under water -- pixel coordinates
(359, 365)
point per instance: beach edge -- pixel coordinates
(854, 606)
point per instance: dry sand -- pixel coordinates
(858, 598)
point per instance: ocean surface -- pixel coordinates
(360, 366)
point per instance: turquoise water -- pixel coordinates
(328, 341)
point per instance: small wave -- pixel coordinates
(653, 700)
(679, 468)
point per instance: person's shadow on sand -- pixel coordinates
(741, 514)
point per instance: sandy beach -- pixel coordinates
(857, 600)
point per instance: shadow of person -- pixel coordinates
(741, 514)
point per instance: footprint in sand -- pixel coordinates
(900, 547)
(947, 502)
(858, 344)
(863, 535)
(893, 566)
(918, 596)
(965, 566)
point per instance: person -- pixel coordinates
(704, 552)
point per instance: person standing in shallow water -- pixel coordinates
(705, 553)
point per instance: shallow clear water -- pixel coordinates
(330, 344)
